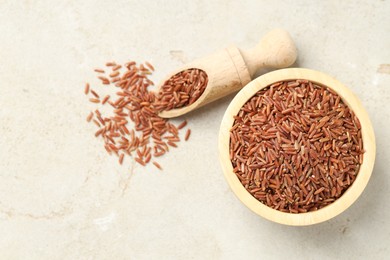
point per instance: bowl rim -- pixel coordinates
(349, 196)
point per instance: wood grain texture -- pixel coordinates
(340, 204)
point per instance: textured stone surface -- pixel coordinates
(62, 197)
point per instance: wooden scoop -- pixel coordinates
(231, 69)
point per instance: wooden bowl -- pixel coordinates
(349, 196)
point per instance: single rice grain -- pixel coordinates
(188, 133)
(157, 165)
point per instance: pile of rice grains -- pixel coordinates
(134, 127)
(296, 146)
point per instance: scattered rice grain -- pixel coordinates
(188, 133)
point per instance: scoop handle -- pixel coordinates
(275, 50)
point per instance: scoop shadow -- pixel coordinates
(211, 110)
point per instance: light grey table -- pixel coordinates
(62, 197)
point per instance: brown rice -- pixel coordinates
(151, 135)
(296, 146)
(182, 89)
